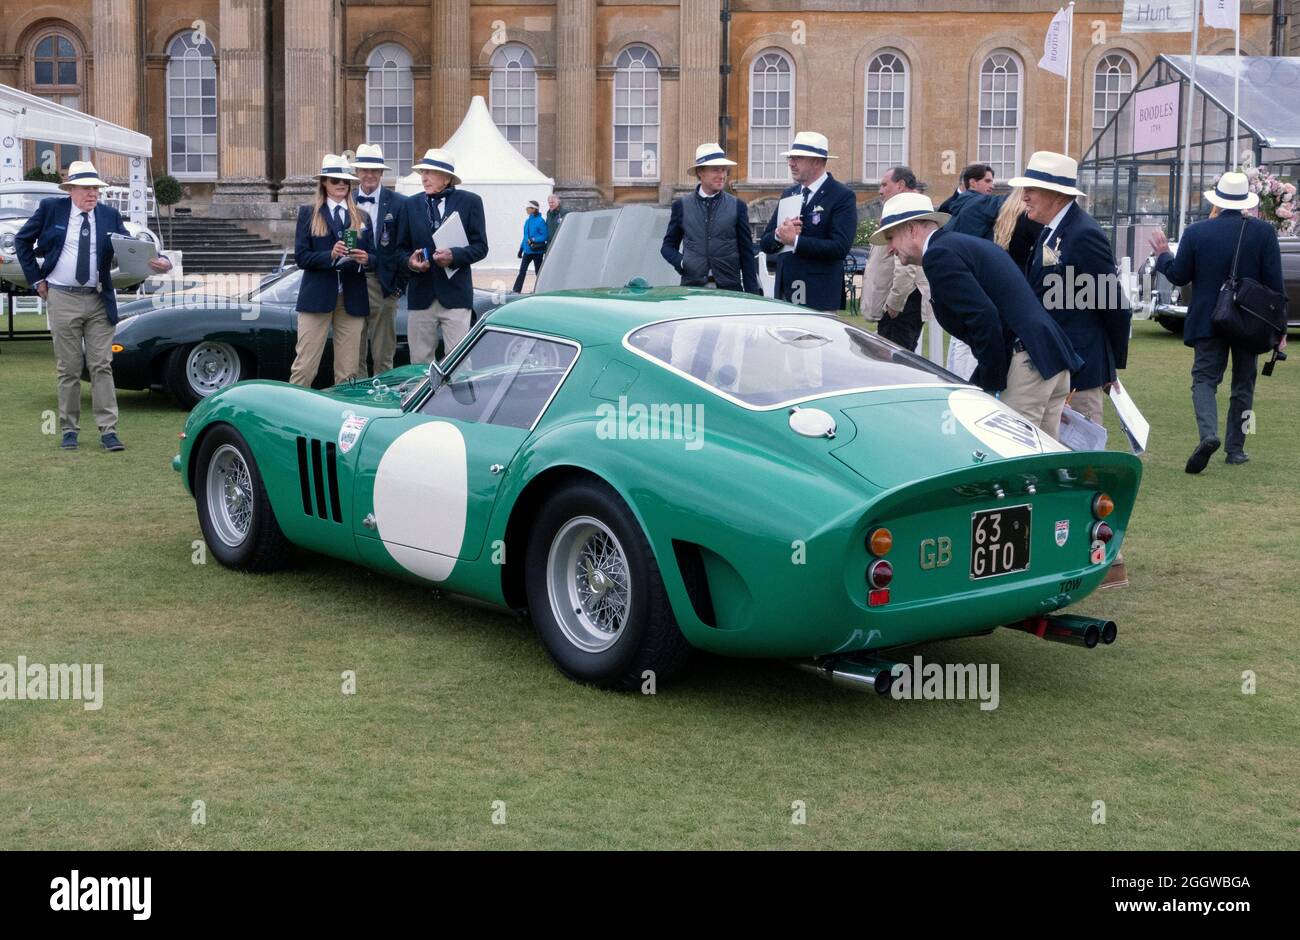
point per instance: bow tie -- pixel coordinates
(362, 200)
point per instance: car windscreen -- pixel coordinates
(19, 205)
(283, 290)
(769, 359)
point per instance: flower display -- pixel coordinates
(1277, 200)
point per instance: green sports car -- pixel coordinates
(652, 471)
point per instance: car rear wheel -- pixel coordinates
(595, 594)
(1172, 324)
(195, 372)
(235, 514)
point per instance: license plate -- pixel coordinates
(999, 541)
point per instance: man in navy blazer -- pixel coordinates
(982, 299)
(1204, 259)
(385, 274)
(437, 301)
(66, 252)
(811, 272)
(1072, 271)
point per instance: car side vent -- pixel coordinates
(690, 562)
(318, 479)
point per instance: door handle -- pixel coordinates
(496, 467)
(370, 522)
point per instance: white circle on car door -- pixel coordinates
(422, 497)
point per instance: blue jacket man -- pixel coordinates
(1204, 259)
(813, 273)
(385, 272)
(533, 245)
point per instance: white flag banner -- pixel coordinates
(1221, 14)
(1158, 16)
(1056, 44)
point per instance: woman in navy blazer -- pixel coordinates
(333, 293)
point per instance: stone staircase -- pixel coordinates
(218, 246)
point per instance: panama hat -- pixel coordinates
(440, 160)
(810, 144)
(369, 157)
(711, 155)
(906, 207)
(1048, 170)
(335, 167)
(82, 173)
(1232, 191)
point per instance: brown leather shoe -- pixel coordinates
(1116, 577)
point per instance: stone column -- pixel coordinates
(309, 83)
(575, 92)
(116, 48)
(701, 45)
(244, 108)
(451, 62)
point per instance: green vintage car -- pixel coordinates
(652, 471)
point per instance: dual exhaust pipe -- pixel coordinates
(1069, 628)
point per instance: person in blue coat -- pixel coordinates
(1072, 271)
(333, 297)
(386, 276)
(1204, 259)
(980, 297)
(440, 290)
(533, 246)
(811, 273)
(66, 252)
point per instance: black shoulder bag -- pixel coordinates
(1247, 313)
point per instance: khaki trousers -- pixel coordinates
(82, 337)
(1088, 401)
(1040, 401)
(381, 329)
(313, 329)
(422, 328)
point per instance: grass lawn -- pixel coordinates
(226, 688)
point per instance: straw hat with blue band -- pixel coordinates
(810, 144)
(906, 207)
(1048, 170)
(440, 160)
(1232, 191)
(335, 167)
(711, 154)
(369, 157)
(82, 173)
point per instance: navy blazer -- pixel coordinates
(974, 213)
(1205, 259)
(980, 297)
(671, 252)
(44, 233)
(414, 232)
(1099, 333)
(321, 276)
(817, 261)
(387, 261)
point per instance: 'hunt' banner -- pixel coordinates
(1158, 16)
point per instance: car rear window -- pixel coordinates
(766, 360)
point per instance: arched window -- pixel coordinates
(636, 115)
(1111, 82)
(513, 96)
(1001, 102)
(771, 114)
(56, 73)
(191, 107)
(885, 133)
(390, 105)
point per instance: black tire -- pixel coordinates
(649, 638)
(259, 545)
(1172, 324)
(232, 363)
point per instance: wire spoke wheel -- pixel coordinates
(589, 583)
(230, 496)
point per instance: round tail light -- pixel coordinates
(1102, 532)
(879, 574)
(880, 541)
(1102, 505)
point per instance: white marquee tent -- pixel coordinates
(489, 166)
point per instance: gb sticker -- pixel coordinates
(350, 433)
(1062, 532)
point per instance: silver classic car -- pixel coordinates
(18, 202)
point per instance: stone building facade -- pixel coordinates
(609, 97)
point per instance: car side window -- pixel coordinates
(504, 378)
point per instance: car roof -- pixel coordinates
(32, 186)
(593, 317)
